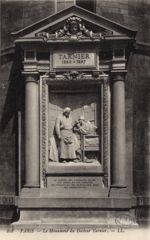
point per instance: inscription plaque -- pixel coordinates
(73, 186)
(72, 59)
(72, 182)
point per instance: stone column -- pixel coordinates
(118, 131)
(32, 172)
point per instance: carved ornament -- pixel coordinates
(75, 76)
(44, 131)
(74, 29)
(105, 130)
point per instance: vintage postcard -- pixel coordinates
(74, 119)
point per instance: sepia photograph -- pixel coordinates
(74, 119)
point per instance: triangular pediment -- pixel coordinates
(74, 23)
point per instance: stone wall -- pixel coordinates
(17, 14)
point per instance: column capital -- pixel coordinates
(31, 76)
(104, 78)
(118, 76)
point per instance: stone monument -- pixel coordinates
(75, 149)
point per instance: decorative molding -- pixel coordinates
(74, 29)
(105, 130)
(75, 76)
(33, 73)
(44, 131)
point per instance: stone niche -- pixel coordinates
(74, 67)
(74, 177)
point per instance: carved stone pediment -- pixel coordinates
(73, 24)
(74, 29)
